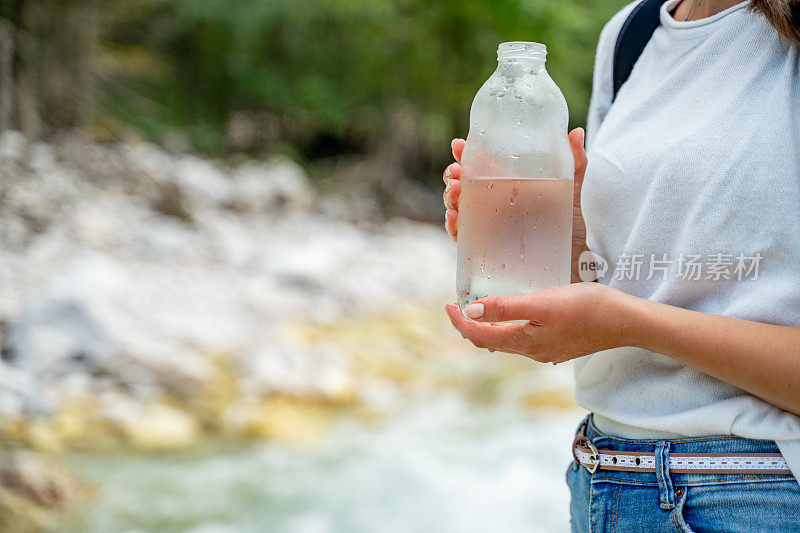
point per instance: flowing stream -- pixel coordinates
(445, 466)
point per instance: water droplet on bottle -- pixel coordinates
(540, 195)
(514, 156)
(481, 132)
(519, 121)
(490, 186)
(502, 265)
(513, 200)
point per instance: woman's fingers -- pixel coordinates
(451, 172)
(452, 190)
(451, 194)
(576, 139)
(451, 223)
(509, 338)
(530, 307)
(458, 148)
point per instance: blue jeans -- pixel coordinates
(610, 501)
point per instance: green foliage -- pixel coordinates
(331, 72)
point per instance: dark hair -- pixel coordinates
(784, 15)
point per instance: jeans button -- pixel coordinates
(679, 492)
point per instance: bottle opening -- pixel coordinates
(521, 50)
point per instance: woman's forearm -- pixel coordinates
(762, 359)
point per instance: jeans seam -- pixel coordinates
(735, 481)
(675, 521)
(677, 514)
(591, 495)
(626, 482)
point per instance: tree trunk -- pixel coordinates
(6, 74)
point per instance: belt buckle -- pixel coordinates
(594, 458)
(582, 440)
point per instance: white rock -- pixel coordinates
(280, 183)
(12, 145)
(202, 181)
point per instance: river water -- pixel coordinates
(444, 466)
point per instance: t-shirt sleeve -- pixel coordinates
(602, 77)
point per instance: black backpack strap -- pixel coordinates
(633, 37)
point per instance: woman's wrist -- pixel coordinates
(630, 320)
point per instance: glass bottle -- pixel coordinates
(515, 207)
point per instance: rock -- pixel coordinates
(35, 492)
(57, 337)
(153, 427)
(288, 370)
(20, 395)
(283, 419)
(278, 184)
(202, 182)
(12, 146)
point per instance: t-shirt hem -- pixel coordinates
(790, 449)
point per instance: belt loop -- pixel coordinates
(666, 494)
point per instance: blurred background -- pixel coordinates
(223, 271)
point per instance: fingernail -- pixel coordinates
(447, 173)
(474, 310)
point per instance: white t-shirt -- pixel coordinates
(697, 162)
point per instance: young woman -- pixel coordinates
(687, 353)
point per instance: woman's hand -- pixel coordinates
(452, 191)
(563, 322)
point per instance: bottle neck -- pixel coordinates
(514, 67)
(519, 57)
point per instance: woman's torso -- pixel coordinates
(698, 156)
